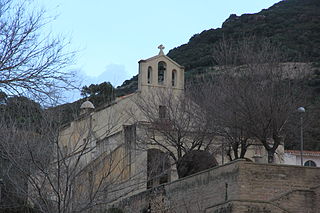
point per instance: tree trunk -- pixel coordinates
(243, 148)
(271, 156)
(235, 147)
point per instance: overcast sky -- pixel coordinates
(113, 36)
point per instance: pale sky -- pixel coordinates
(112, 36)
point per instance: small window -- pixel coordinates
(65, 150)
(174, 78)
(310, 163)
(162, 111)
(162, 67)
(90, 178)
(149, 75)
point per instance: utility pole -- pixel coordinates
(301, 110)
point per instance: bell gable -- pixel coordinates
(160, 71)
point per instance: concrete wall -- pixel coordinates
(239, 186)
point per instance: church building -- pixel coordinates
(101, 142)
(105, 144)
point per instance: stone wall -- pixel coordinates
(239, 186)
(268, 181)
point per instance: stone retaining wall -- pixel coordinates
(237, 187)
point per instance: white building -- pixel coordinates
(309, 158)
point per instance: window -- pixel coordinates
(162, 111)
(174, 78)
(310, 163)
(90, 178)
(149, 75)
(162, 67)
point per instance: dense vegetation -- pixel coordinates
(20, 112)
(99, 94)
(294, 24)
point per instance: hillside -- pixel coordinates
(294, 24)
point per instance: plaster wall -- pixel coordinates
(153, 63)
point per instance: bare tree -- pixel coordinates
(31, 63)
(172, 123)
(43, 173)
(253, 95)
(214, 96)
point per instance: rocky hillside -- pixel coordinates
(293, 24)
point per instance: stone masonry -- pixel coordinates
(237, 187)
